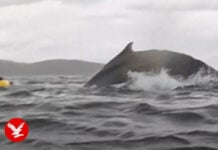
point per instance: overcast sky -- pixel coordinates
(96, 30)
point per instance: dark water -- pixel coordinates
(151, 114)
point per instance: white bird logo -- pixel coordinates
(16, 131)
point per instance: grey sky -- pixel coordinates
(96, 30)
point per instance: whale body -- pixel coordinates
(177, 64)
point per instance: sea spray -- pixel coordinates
(148, 81)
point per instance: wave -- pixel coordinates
(142, 143)
(19, 94)
(195, 148)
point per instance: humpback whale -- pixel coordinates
(177, 64)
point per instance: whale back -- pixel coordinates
(177, 65)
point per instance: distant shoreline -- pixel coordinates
(49, 67)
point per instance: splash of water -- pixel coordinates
(200, 79)
(148, 81)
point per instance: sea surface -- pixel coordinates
(152, 112)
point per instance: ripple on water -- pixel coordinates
(20, 94)
(62, 115)
(184, 117)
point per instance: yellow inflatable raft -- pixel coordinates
(4, 83)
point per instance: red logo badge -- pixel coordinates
(16, 130)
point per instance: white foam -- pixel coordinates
(199, 79)
(148, 81)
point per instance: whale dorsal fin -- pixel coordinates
(121, 56)
(128, 48)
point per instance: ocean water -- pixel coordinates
(152, 112)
